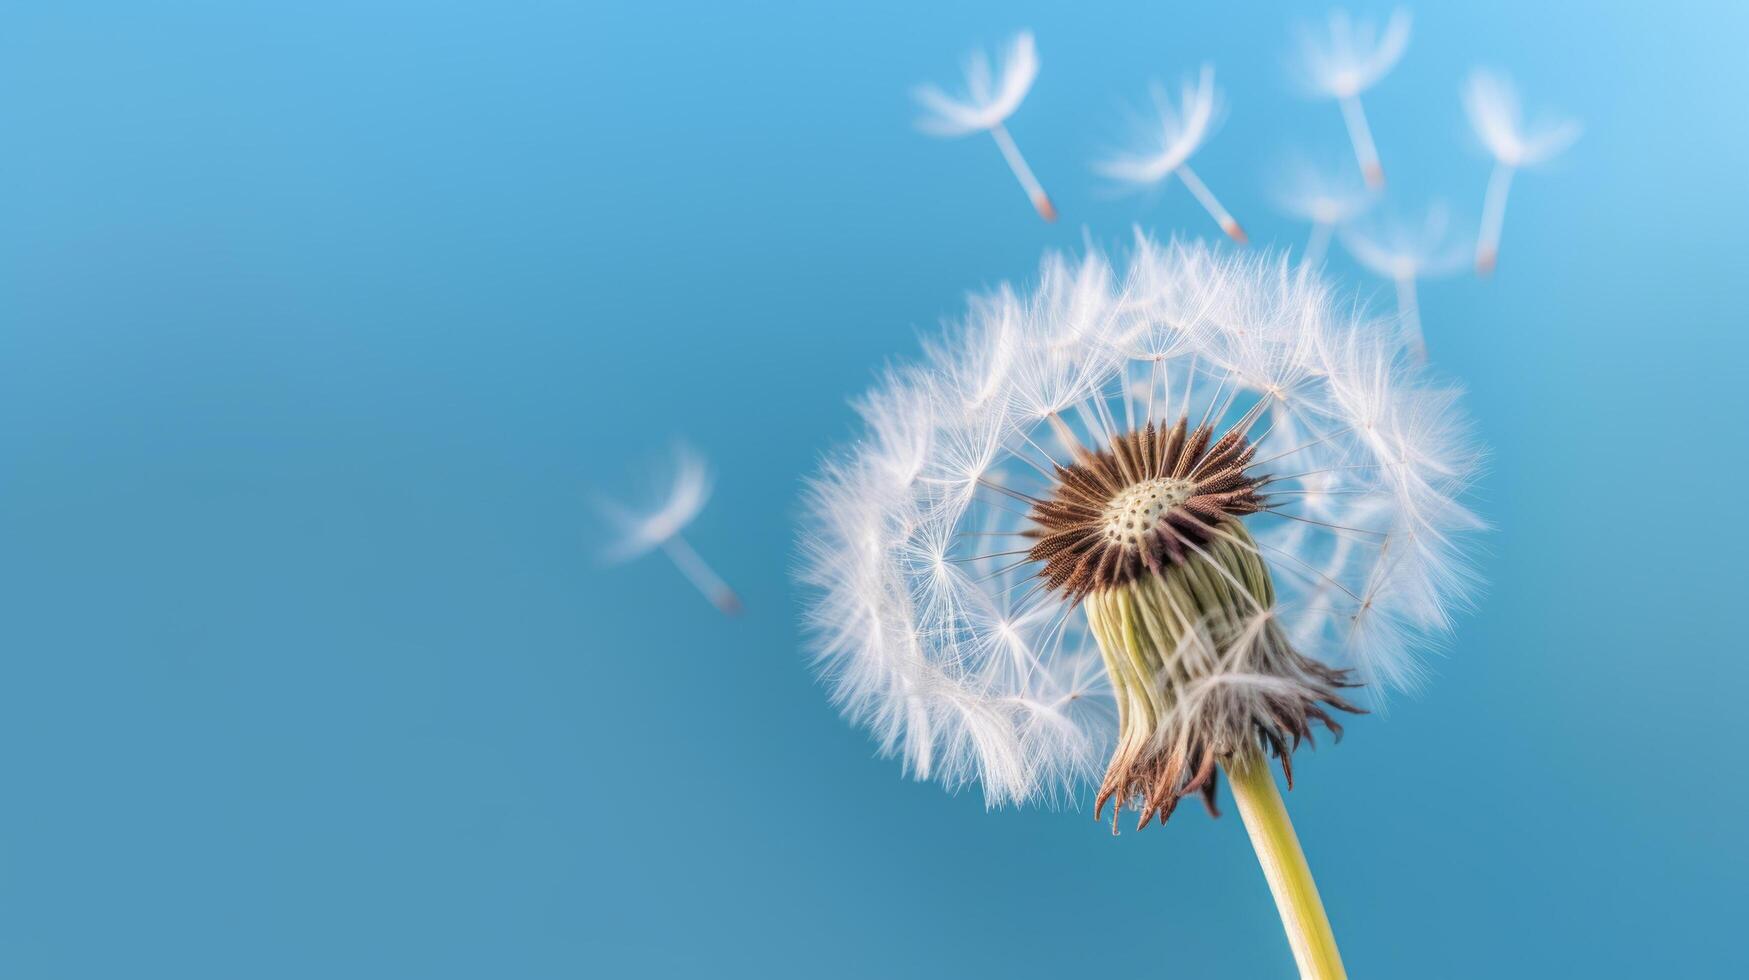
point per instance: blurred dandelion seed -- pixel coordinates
(1324, 198)
(688, 489)
(1407, 252)
(1345, 59)
(989, 100)
(1225, 469)
(1169, 140)
(1492, 105)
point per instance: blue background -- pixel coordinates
(321, 323)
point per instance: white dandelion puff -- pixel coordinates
(1345, 59)
(1168, 139)
(1133, 528)
(1323, 197)
(990, 98)
(920, 537)
(685, 491)
(1407, 251)
(1493, 107)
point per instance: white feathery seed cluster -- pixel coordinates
(929, 617)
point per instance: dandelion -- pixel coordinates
(987, 104)
(1406, 252)
(1346, 59)
(1324, 198)
(1125, 532)
(1169, 140)
(1492, 105)
(688, 489)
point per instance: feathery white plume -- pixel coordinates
(1323, 197)
(1347, 58)
(1406, 252)
(1493, 108)
(1170, 139)
(686, 490)
(929, 616)
(990, 98)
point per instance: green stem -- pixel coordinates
(1284, 864)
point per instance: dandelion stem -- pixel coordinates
(1493, 216)
(1207, 199)
(1409, 308)
(701, 575)
(1360, 134)
(1023, 173)
(1318, 244)
(1284, 865)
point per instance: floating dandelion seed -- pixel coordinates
(1325, 198)
(1407, 252)
(987, 104)
(1170, 139)
(1251, 497)
(1346, 59)
(688, 489)
(1492, 105)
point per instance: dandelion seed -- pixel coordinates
(1407, 252)
(1492, 105)
(688, 489)
(1169, 140)
(1345, 59)
(988, 102)
(1324, 198)
(1233, 499)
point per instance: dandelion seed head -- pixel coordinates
(1249, 426)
